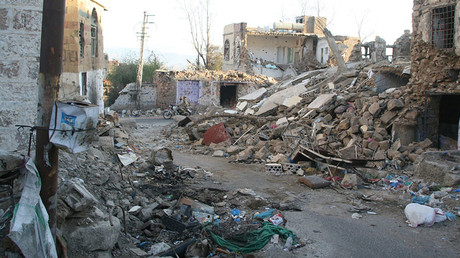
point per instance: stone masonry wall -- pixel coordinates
(432, 69)
(20, 38)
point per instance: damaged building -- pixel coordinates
(20, 34)
(277, 51)
(435, 69)
(202, 88)
(20, 40)
(84, 61)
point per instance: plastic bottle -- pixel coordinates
(288, 245)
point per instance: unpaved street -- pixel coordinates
(324, 222)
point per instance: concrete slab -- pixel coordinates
(255, 95)
(241, 106)
(292, 101)
(321, 100)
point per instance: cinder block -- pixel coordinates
(78, 197)
(274, 168)
(290, 167)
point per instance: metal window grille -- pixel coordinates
(443, 21)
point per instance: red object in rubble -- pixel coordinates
(216, 134)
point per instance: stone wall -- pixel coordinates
(20, 37)
(126, 100)
(433, 69)
(78, 57)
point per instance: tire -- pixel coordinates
(167, 114)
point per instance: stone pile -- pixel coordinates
(350, 115)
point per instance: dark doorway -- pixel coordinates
(228, 94)
(449, 114)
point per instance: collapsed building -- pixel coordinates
(277, 51)
(202, 88)
(435, 67)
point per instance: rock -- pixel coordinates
(232, 149)
(160, 155)
(282, 121)
(351, 180)
(129, 123)
(10, 160)
(91, 235)
(262, 153)
(147, 212)
(440, 167)
(279, 158)
(388, 116)
(218, 153)
(77, 196)
(344, 125)
(158, 248)
(395, 104)
(340, 109)
(374, 108)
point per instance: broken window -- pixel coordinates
(227, 50)
(81, 34)
(442, 31)
(94, 33)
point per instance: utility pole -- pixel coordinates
(141, 62)
(49, 79)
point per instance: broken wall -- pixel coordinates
(20, 40)
(84, 62)
(434, 68)
(126, 99)
(166, 88)
(435, 65)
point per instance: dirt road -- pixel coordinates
(325, 222)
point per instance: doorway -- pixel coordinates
(228, 94)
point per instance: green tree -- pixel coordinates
(126, 72)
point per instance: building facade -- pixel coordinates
(435, 67)
(20, 37)
(276, 51)
(84, 61)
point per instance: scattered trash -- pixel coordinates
(418, 214)
(356, 216)
(277, 219)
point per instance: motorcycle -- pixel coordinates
(174, 111)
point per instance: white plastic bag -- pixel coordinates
(418, 214)
(29, 226)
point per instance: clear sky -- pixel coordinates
(170, 34)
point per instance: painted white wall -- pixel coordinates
(273, 48)
(324, 46)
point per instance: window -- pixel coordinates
(84, 80)
(442, 26)
(227, 50)
(81, 34)
(290, 55)
(94, 33)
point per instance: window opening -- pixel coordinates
(442, 27)
(227, 50)
(94, 33)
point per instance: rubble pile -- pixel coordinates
(349, 115)
(233, 76)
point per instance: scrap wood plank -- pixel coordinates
(325, 157)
